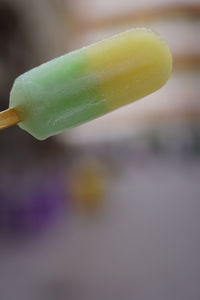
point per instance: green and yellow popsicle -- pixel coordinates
(88, 83)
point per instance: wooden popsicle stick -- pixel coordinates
(8, 117)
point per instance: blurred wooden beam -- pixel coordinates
(187, 62)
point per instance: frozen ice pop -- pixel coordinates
(87, 83)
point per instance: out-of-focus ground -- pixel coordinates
(144, 245)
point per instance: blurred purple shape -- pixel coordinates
(33, 206)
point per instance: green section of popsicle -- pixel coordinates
(57, 95)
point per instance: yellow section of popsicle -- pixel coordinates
(130, 65)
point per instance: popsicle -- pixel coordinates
(88, 83)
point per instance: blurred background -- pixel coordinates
(110, 209)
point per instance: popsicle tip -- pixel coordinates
(8, 118)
